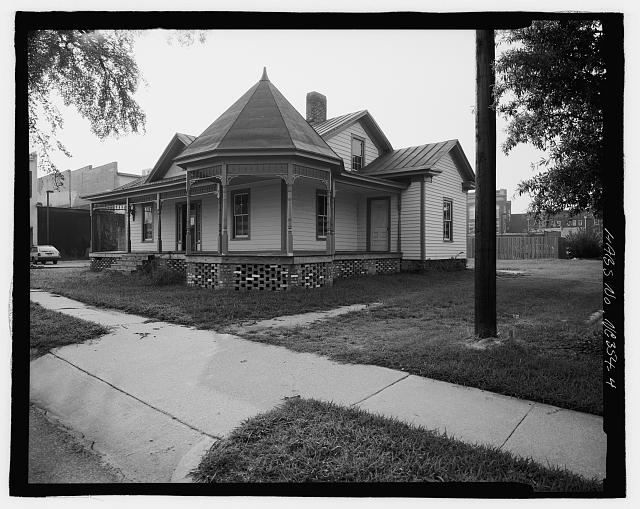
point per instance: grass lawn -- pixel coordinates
(50, 329)
(307, 440)
(545, 352)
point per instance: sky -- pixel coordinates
(418, 85)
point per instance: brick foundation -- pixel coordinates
(261, 276)
(174, 264)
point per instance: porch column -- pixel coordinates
(423, 250)
(128, 225)
(330, 224)
(289, 181)
(187, 248)
(399, 201)
(92, 232)
(225, 209)
(159, 209)
(219, 196)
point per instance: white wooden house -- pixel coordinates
(267, 199)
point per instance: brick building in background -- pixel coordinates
(503, 212)
(558, 224)
(69, 224)
(76, 183)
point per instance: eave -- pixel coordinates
(143, 188)
(408, 172)
(219, 155)
(366, 181)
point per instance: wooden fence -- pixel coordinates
(520, 247)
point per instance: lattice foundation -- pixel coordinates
(98, 264)
(204, 275)
(272, 277)
(312, 275)
(349, 268)
(387, 266)
(261, 277)
(174, 264)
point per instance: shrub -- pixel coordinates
(160, 275)
(584, 244)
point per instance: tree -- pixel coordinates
(93, 71)
(549, 83)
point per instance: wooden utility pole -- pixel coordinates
(485, 254)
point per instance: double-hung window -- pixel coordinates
(447, 220)
(321, 215)
(147, 222)
(241, 215)
(357, 153)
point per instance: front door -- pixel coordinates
(379, 224)
(192, 222)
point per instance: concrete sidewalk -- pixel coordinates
(153, 396)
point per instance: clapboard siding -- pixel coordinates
(346, 221)
(447, 184)
(169, 225)
(341, 145)
(264, 218)
(304, 216)
(209, 211)
(410, 218)
(136, 230)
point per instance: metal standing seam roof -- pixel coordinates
(409, 158)
(262, 119)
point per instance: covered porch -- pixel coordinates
(252, 225)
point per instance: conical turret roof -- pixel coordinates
(261, 120)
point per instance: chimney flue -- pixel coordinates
(316, 108)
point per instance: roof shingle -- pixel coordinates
(261, 119)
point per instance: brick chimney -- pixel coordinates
(316, 108)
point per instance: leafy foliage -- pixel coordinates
(549, 86)
(160, 275)
(584, 244)
(93, 71)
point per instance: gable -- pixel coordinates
(164, 167)
(340, 142)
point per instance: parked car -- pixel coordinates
(43, 254)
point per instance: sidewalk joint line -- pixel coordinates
(137, 399)
(516, 427)
(378, 392)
